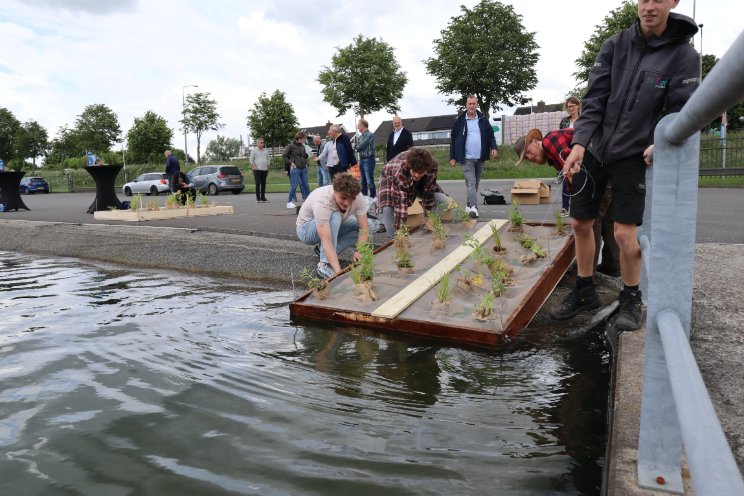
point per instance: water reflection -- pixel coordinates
(123, 382)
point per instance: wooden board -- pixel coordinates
(165, 213)
(409, 304)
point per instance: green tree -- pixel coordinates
(735, 114)
(8, 127)
(65, 145)
(222, 148)
(364, 77)
(199, 115)
(31, 141)
(617, 20)
(97, 128)
(273, 118)
(485, 52)
(148, 138)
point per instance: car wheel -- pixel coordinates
(127, 191)
(212, 190)
(46, 192)
(29, 192)
(154, 191)
(236, 191)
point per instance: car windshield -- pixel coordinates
(230, 171)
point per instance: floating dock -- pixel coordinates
(417, 304)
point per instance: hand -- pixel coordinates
(356, 256)
(253, 166)
(648, 155)
(572, 165)
(494, 154)
(452, 162)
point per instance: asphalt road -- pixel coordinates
(719, 212)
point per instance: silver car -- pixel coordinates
(149, 183)
(214, 179)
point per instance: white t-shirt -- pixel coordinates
(320, 205)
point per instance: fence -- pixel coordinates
(676, 410)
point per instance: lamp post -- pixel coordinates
(701, 51)
(183, 107)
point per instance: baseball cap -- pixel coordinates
(519, 149)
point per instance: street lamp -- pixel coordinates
(183, 107)
(701, 51)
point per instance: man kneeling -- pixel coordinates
(336, 217)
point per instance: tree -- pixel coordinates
(222, 148)
(734, 115)
(31, 141)
(364, 77)
(617, 20)
(65, 145)
(8, 127)
(97, 128)
(148, 138)
(273, 118)
(485, 52)
(199, 115)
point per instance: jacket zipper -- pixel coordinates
(622, 104)
(641, 76)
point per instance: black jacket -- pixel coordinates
(405, 141)
(459, 134)
(633, 84)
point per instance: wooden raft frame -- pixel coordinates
(162, 214)
(386, 316)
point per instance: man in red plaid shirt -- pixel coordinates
(410, 174)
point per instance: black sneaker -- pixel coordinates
(629, 315)
(577, 301)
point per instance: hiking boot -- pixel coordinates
(325, 270)
(629, 315)
(577, 301)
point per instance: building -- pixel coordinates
(544, 117)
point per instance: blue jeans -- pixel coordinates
(566, 195)
(344, 234)
(473, 170)
(367, 168)
(324, 178)
(298, 176)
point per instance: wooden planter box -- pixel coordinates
(163, 213)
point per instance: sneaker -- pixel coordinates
(291, 205)
(564, 212)
(325, 270)
(264, 200)
(316, 249)
(629, 316)
(576, 302)
(473, 212)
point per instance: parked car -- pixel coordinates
(31, 185)
(149, 183)
(214, 179)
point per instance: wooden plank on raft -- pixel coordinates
(406, 296)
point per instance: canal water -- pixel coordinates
(116, 381)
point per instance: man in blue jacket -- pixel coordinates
(470, 142)
(172, 167)
(640, 73)
(344, 156)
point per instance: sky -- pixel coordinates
(58, 56)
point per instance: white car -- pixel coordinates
(150, 183)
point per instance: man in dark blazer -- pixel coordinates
(344, 156)
(400, 139)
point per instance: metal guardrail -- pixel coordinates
(675, 406)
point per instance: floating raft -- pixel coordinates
(162, 214)
(410, 303)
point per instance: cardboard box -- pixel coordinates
(416, 213)
(530, 192)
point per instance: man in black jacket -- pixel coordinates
(641, 72)
(399, 141)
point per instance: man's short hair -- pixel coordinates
(420, 160)
(346, 184)
(364, 123)
(335, 128)
(300, 135)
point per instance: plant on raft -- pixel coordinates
(364, 270)
(497, 246)
(439, 233)
(479, 254)
(136, 202)
(170, 201)
(484, 308)
(401, 237)
(499, 284)
(443, 290)
(531, 244)
(311, 281)
(403, 258)
(190, 201)
(558, 222)
(515, 216)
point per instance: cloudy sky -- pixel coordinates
(57, 56)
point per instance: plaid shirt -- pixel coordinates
(397, 189)
(366, 145)
(557, 146)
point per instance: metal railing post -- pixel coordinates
(670, 222)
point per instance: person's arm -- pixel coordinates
(365, 142)
(492, 141)
(363, 233)
(453, 134)
(252, 159)
(597, 94)
(285, 157)
(350, 155)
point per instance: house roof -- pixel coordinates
(539, 108)
(322, 131)
(417, 124)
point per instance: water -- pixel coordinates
(121, 382)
